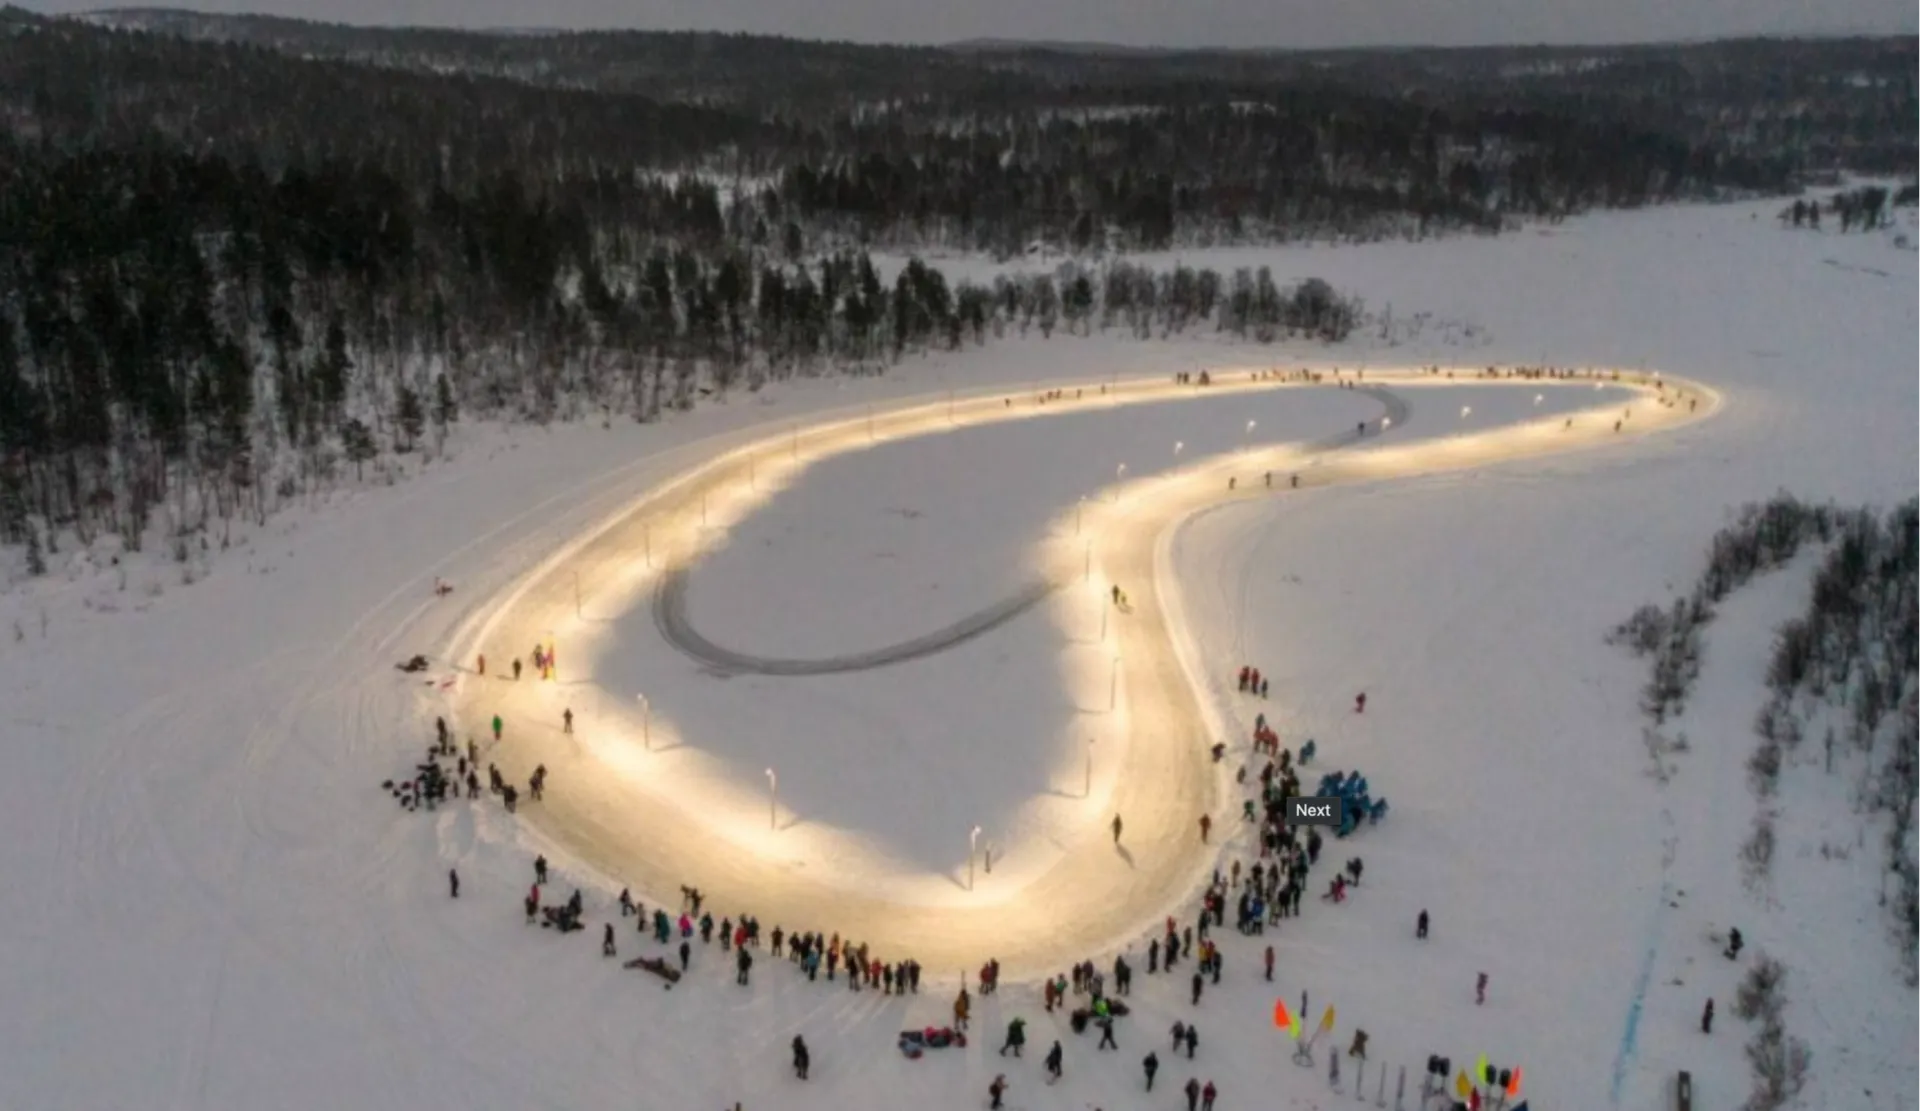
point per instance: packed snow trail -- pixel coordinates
(628, 809)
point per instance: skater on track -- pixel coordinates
(1269, 964)
(1016, 1036)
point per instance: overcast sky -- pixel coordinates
(1243, 23)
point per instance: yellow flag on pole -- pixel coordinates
(1326, 1020)
(1461, 1086)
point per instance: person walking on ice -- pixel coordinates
(1206, 827)
(1480, 989)
(497, 725)
(453, 882)
(997, 1090)
(1053, 1064)
(566, 720)
(1116, 829)
(1420, 926)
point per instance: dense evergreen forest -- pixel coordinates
(243, 258)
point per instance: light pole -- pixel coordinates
(576, 594)
(1177, 445)
(796, 439)
(1104, 607)
(1113, 687)
(1386, 423)
(1086, 573)
(1088, 793)
(973, 850)
(1119, 475)
(1466, 411)
(1078, 510)
(646, 538)
(703, 509)
(1247, 440)
(646, 722)
(1538, 398)
(869, 424)
(949, 406)
(753, 476)
(773, 800)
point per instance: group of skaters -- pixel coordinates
(545, 661)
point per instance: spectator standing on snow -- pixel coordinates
(802, 1060)
(1420, 926)
(1269, 958)
(1480, 989)
(1151, 1064)
(1054, 1056)
(606, 941)
(1206, 827)
(540, 869)
(1206, 1096)
(997, 1090)
(1193, 1094)
(1706, 1019)
(567, 720)
(453, 882)
(1199, 984)
(516, 668)
(1193, 1040)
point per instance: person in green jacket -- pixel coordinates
(497, 723)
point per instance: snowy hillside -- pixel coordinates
(228, 910)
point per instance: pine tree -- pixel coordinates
(357, 442)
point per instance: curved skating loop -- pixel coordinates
(677, 628)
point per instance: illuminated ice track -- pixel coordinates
(677, 629)
(642, 809)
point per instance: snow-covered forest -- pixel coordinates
(249, 257)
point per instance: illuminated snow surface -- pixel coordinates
(217, 906)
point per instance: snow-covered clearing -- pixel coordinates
(224, 910)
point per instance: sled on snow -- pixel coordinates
(658, 966)
(915, 1042)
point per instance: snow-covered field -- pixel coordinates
(216, 906)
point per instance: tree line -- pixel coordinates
(188, 341)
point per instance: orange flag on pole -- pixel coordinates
(1513, 1085)
(1286, 1021)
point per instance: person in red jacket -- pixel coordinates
(1206, 1096)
